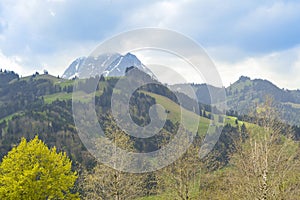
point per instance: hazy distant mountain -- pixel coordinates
(247, 90)
(244, 94)
(110, 64)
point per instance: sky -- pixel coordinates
(259, 39)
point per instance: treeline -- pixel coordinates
(254, 119)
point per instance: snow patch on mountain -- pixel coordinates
(110, 64)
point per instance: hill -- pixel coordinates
(244, 94)
(42, 104)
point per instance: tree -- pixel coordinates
(33, 171)
(266, 165)
(107, 183)
(181, 179)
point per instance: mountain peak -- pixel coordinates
(244, 78)
(110, 64)
(129, 54)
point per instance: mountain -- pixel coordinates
(109, 64)
(42, 104)
(201, 91)
(74, 69)
(243, 95)
(259, 88)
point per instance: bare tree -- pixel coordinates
(107, 183)
(180, 180)
(266, 165)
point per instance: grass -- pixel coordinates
(41, 76)
(81, 96)
(231, 120)
(174, 110)
(241, 85)
(78, 96)
(64, 82)
(9, 117)
(160, 197)
(294, 105)
(60, 96)
(174, 114)
(53, 79)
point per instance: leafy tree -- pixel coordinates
(33, 171)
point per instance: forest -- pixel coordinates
(256, 156)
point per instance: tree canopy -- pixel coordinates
(33, 171)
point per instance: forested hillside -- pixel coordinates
(243, 96)
(41, 105)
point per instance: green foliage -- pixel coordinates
(33, 171)
(42, 104)
(245, 94)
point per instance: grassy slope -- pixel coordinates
(175, 113)
(9, 117)
(240, 85)
(174, 110)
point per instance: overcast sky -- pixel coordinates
(260, 40)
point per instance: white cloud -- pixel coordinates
(281, 67)
(52, 13)
(169, 68)
(158, 14)
(244, 37)
(11, 63)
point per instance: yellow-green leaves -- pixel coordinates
(33, 171)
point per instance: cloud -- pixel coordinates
(10, 63)
(36, 29)
(281, 68)
(270, 27)
(255, 26)
(54, 32)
